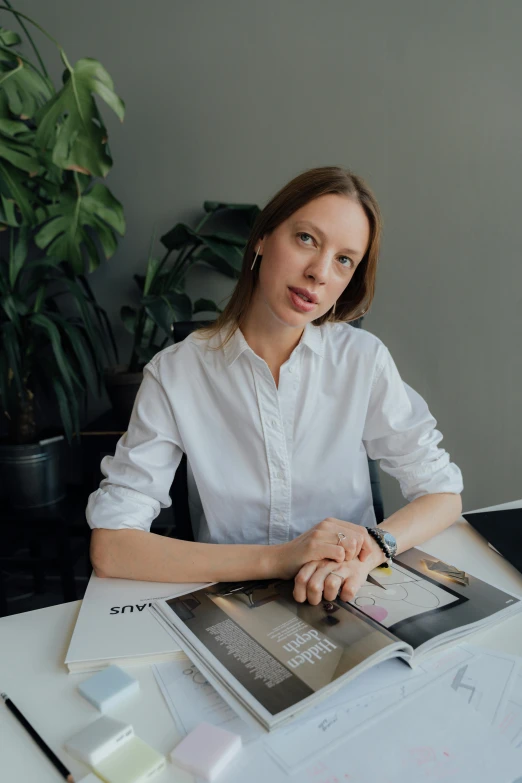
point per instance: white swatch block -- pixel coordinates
(98, 740)
(91, 778)
(135, 762)
(108, 688)
(206, 750)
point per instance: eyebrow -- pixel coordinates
(322, 235)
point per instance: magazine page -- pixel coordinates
(426, 599)
(275, 654)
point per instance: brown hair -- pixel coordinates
(357, 296)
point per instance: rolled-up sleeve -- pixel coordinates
(400, 432)
(139, 476)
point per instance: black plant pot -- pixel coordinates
(33, 474)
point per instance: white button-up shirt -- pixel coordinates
(266, 463)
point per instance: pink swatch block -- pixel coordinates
(206, 750)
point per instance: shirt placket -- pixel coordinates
(272, 422)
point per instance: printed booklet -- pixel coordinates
(273, 658)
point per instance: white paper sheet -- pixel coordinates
(434, 736)
(510, 721)
(486, 682)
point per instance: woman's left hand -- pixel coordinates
(327, 579)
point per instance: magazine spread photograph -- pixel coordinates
(278, 657)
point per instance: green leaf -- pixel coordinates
(128, 316)
(69, 123)
(65, 408)
(152, 268)
(26, 90)
(14, 128)
(13, 185)
(11, 348)
(227, 264)
(7, 212)
(77, 341)
(20, 155)
(65, 235)
(167, 308)
(18, 256)
(8, 37)
(202, 305)
(179, 236)
(68, 374)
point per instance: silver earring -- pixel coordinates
(255, 259)
(333, 308)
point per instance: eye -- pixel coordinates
(306, 234)
(350, 262)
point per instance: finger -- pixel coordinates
(349, 589)
(322, 550)
(367, 548)
(301, 580)
(332, 584)
(351, 547)
(315, 585)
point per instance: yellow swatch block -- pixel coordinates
(134, 762)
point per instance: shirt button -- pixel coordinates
(290, 369)
(273, 423)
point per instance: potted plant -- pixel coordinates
(218, 241)
(57, 223)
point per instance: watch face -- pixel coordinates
(390, 540)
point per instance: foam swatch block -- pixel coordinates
(134, 762)
(108, 687)
(99, 739)
(206, 750)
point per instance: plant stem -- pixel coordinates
(26, 31)
(138, 335)
(18, 13)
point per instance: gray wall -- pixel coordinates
(229, 100)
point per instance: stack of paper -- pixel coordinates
(457, 717)
(115, 626)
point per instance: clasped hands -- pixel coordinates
(334, 565)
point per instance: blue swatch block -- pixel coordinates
(108, 688)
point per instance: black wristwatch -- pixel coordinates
(386, 541)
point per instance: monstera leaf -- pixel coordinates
(66, 234)
(70, 123)
(25, 88)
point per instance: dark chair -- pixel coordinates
(183, 526)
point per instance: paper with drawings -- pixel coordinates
(486, 681)
(432, 737)
(510, 722)
(294, 746)
(191, 699)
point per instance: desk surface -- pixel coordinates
(33, 646)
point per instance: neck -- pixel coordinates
(273, 341)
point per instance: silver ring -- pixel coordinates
(334, 573)
(340, 537)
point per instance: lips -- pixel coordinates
(306, 293)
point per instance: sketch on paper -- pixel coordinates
(407, 594)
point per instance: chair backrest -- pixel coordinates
(180, 330)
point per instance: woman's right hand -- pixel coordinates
(311, 545)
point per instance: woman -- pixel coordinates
(277, 405)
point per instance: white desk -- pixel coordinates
(33, 646)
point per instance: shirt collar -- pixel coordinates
(313, 337)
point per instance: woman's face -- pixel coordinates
(316, 250)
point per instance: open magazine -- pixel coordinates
(274, 658)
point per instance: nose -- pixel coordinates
(318, 268)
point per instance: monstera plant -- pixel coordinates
(58, 222)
